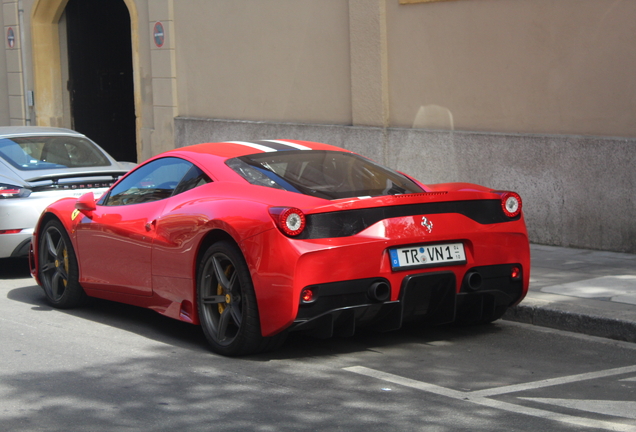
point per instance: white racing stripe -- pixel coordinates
(253, 145)
(294, 145)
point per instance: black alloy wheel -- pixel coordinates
(227, 303)
(58, 267)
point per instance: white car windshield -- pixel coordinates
(51, 152)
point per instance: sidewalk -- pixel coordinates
(583, 291)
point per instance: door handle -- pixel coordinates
(151, 225)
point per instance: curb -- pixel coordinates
(606, 327)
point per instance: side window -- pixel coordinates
(193, 178)
(151, 182)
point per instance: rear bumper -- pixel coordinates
(15, 245)
(281, 267)
(430, 298)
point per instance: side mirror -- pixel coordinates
(86, 202)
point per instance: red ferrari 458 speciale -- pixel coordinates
(252, 240)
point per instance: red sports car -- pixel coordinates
(252, 240)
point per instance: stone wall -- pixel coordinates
(577, 191)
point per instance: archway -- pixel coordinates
(97, 88)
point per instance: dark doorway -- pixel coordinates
(101, 75)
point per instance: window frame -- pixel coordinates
(151, 194)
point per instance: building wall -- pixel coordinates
(283, 60)
(540, 66)
(4, 91)
(577, 191)
(536, 96)
(16, 59)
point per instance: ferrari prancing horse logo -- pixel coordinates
(427, 224)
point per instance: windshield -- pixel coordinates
(51, 152)
(323, 174)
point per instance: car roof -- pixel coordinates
(231, 149)
(9, 131)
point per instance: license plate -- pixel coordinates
(427, 255)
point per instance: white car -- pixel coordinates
(39, 165)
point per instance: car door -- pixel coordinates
(115, 241)
(178, 228)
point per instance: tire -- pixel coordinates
(227, 304)
(58, 267)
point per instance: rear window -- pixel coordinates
(51, 152)
(323, 174)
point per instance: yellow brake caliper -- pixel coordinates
(219, 291)
(65, 265)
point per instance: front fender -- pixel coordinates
(62, 210)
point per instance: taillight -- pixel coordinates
(307, 295)
(10, 231)
(511, 204)
(13, 191)
(290, 220)
(515, 272)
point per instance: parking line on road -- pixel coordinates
(407, 382)
(553, 381)
(626, 409)
(477, 397)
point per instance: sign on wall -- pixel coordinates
(158, 34)
(10, 37)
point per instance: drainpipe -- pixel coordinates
(27, 114)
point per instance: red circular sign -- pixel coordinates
(158, 34)
(10, 38)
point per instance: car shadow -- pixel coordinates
(144, 322)
(152, 325)
(299, 345)
(14, 268)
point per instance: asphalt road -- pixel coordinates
(112, 367)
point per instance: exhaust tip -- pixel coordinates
(379, 291)
(473, 280)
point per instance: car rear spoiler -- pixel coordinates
(56, 177)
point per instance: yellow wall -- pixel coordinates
(539, 66)
(284, 60)
(4, 91)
